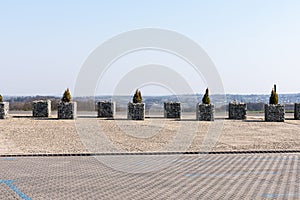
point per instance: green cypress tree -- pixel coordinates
(140, 97)
(137, 98)
(1, 99)
(273, 97)
(205, 99)
(67, 96)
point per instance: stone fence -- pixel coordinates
(107, 109)
(205, 112)
(172, 110)
(297, 111)
(136, 111)
(274, 113)
(67, 110)
(41, 108)
(4, 108)
(237, 110)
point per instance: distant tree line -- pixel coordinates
(259, 107)
(89, 104)
(25, 103)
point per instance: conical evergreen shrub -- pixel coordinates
(274, 97)
(67, 96)
(137, 98)
(205, 99)
(1, 99)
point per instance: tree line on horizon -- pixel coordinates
(25, 104)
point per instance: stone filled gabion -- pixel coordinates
(297, 111)
(41, 108)
(237, 110)
(67, 110)
(4, 108)
(106, 109)
(172, 110)
(274, 113)
(205, 112)
(136, 111)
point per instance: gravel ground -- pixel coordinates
(24, 134)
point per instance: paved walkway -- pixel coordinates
(236, 176)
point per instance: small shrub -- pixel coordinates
(67, 96)
(137, 98)
(274, 97)
(205, 98)
(1, 99)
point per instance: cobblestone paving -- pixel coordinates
(237, 176)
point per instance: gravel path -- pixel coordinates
(24, 134)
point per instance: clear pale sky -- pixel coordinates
(253, 43)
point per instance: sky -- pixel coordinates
(252, 43)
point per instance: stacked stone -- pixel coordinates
(237, 110)
(136, 111)
(67, 110)
(172, 110)
(297, 111)
(4, 108)
(41, 108)
(106, 109)
(205, 112)
(274, 113)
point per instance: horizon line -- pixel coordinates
(196, 94)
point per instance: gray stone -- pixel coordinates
(106, 109)
(136, 111)
(67, 110)
(274, 113)
(4, 108)
(297, 111)
(41, 108)
(172, 110)
(205, 112)
(237, 110)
